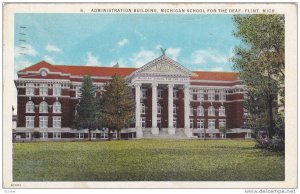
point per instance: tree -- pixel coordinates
(117, 105)
(88, 109)
(260, 62)
(224, 131)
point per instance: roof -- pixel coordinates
(80, 70)
(123, 71)
(217, 76)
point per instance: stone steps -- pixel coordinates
(163, 134)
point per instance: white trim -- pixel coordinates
(24, 129)
(43, 68)
(22, 95)
(182, 71)
(93, 77)
(42, 80)
(214, 81)
(62, 74)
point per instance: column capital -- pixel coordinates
(170, 85)
(137, 84)
(154, 84)
(186, 86)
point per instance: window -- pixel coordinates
(143, 108)
(79, 135)
(174, 122)
(56, 122)
(94, 135)
(56, 135)
(175, 92)
(158, 121)
(27, 135)
(103, 135)
(222, 96)
(222, 123)
(191, 111)
(43, 89)
(191, 96)
(200, 96)
(57, 90)
(43, 122)
(144, 93)
(211, 111)
(200, 111)
(201, 135)
(200, 123)
(29, 107)
(247, 135)
(211, 95)
(212, 135)
(29, 89)
(158, 108)
(174, 109)
(143, 122)
(43, 107)
(29, 121)
(78, 91)
(159, 93)
(211, 123)
(191, 123)
(56, 107)
(222, 111)
(44, 135)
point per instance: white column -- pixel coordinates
(139, 133)
(187, 110)
(170, 105)
(154, 130)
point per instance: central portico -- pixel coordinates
(167, 82)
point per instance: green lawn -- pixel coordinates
(145, 160)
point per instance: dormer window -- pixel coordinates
(29, 89)
(56, 89)
(43, 89)
(211, 95)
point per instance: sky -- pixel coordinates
(196, 41)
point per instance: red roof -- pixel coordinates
(217, 76)
(81, 70)
(96, 71)
(109, 71)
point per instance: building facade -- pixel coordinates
(171, 101)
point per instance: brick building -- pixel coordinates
(171, 101)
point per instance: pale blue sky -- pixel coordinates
(198, 42)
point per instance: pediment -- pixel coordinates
(163, 65)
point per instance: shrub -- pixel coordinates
(36, 134)
(274, 144)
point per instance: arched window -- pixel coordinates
(143, 108)
(29, 107)
(158, 108)
(200, 111)
(56, 107)
(43, 107)
(174, 109)
(191, 111)
(222, 111)
(211, 95)
(211, 111)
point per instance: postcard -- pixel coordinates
(150, 95)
